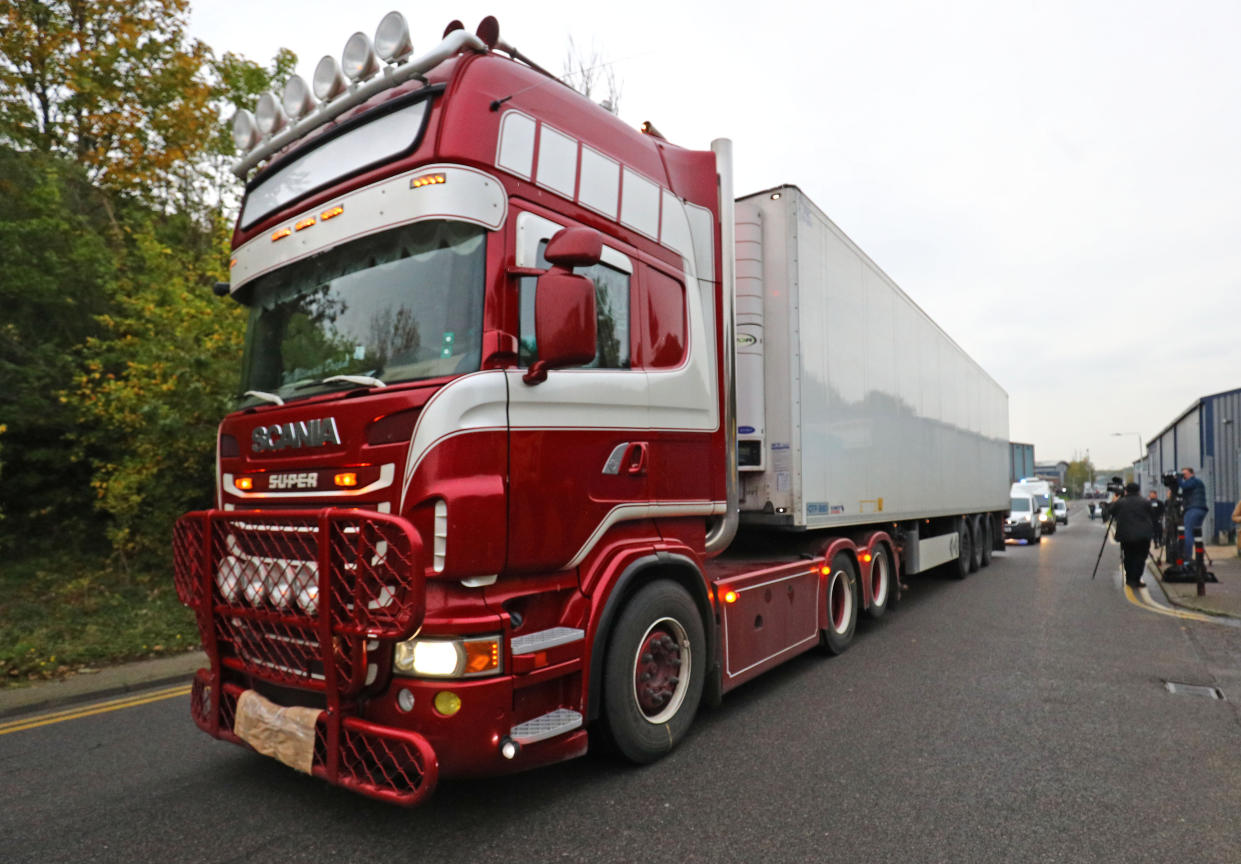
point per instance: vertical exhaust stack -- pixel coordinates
(722, 531)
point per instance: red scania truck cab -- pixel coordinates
(473, 497)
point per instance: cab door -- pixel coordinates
(579, 443)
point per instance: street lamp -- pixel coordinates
(1140, 454)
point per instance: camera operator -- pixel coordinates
(1194, 492)
(1133, 530)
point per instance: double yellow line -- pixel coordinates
(132, 701)
(1146, 602)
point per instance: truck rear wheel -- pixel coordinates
(975, 527)
(842, 604)
(965, 549)
(882, 576)
(986, 539)
(654, 672)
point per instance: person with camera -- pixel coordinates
(1132, 517)
(1194, 493)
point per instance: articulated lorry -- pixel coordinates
(545, 436)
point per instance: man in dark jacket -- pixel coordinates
(1156, 510)
(1194, 493)
(1133, 531)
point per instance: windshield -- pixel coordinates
(398, 306)
(1020, 505)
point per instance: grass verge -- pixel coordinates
(61, 613)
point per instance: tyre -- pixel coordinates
(882, 582)
(986, 539)
(842, 604)
(975, 543)
(965, 550)
(654, 672)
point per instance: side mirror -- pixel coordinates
(564, 304)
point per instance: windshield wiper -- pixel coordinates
(264, 395)
(361, 380)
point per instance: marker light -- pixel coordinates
(331, 213)
(427, 180)
(825, 570)
(245, 130)
(298, 100)
(328, 81)
(245, 484)
(865, 556)
(346, 478)
(447, 703)
(392, 37)
(730, 596)
(303, 224)
(281, 234)
(358, 61)
(269, 114)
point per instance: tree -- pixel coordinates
(114, 355)
(1079, 473)
(588, 72)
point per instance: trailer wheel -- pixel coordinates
(987, 538)
(654, 672)
(882, 576)
(842, 604)
(965, 549)
(975, 543)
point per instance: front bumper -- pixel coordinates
(375, 732)
(1019, 531)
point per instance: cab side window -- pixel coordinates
(665, 320)
(611, 311)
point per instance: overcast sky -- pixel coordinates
(1058, 184)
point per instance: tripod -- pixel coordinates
(1107, 531)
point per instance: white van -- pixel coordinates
(1043, 495)
(1023, 518)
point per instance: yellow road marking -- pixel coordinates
(118, 704)
(1145, 602)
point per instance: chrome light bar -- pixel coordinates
(452, 44)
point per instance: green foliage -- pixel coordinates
(115, 357)
(156, 381)
(61, 611)
(1079, 473)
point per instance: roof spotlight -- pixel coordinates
(269, 114)
(358, 59)
(245, 131)
(329, 81)
(392, 40)
(298, 100)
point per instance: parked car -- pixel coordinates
(1062, 510)
(1023, 519)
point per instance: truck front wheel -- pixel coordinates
(654, 672)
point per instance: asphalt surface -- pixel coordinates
(1018, 715)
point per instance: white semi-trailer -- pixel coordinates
(854, 407)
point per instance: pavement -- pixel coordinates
(104, 683)
(1219, 598)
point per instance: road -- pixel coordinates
(1019, 715)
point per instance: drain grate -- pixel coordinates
(1193, 690)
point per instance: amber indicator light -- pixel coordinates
(245, 484)
(347, 478)
(308, 222)
(427, 180)
(331, 213)
(281, 234)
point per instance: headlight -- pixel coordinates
(471, 657)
